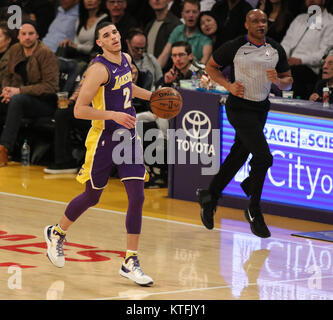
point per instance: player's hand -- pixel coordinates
(124, 119)
(237, 89)
(272, 75)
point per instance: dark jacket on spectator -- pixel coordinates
(42, 71)
(170, 22)
(3, 66)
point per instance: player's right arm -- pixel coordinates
(96, 76)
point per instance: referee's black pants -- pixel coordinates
(249, 138)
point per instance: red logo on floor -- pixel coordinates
(92, 254)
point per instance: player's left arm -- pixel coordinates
(138, 92)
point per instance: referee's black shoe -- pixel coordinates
(208, 207)
(257, 223)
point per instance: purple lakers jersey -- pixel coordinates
(116, 94)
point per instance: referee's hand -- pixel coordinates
(237, 89)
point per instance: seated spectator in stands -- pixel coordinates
(279, 17)
(326, 80)
(305, 46)
(6, 40)
(122, 19)
(201, 45)
(159, 29)
(209, 26)
(63, 25)
(91, 12)
(231, 15)
(184, 64)
(29, 85)
(64, 161)
(137, 44)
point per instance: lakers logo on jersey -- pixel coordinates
(120, 81)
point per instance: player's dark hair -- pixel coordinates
(101, 26)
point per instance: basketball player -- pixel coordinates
(109, 88)
(256, 63)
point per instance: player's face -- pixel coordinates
(190, 14)
(27, 36)
(109, 39)
(328, 68)
(256, 24)
(180, 58)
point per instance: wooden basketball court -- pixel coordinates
(185, 260)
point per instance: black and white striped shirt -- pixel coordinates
(249, 63)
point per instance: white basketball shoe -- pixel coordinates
(131, 269)
(55, 251)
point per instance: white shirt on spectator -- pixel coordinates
(309, 44)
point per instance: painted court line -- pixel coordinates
(202, 289)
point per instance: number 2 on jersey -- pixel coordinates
(127, 94)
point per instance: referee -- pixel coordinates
(256, 62)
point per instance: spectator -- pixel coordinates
(91, 12)
(159, 29)
(279, 18)
(63, 25)
(305, 47)
(326, 80)
(184, 64)
(136, 43)
(231, 15)
(189, 32)
(209, 26)
(122, 19)
(6, 40)
(64, 161)
(29, 85)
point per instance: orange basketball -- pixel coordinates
(166, 102)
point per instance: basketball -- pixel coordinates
(166, 102)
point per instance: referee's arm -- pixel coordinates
(212, 69)
(283, 80)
